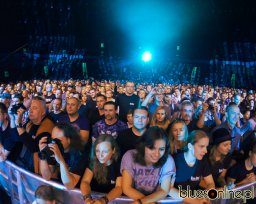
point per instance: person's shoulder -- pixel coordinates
(100, 122)
(130, 153)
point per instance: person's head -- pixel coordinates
(44, 195)
(56, 105)
(178, 131)
(140, 118)
(142, 94)
(5, 98)
(105, 152)
(3, 114)
(223, 96)
(58, 93)
(37, 110)
(237, 99)
(252, 155)
(48, 88)
(247, 114)
(221, 141)
(200, 90)
(129, 116)
(109, 94)
(110, 109)
(232, 114)
(73, 105)
(68, 135)
(106, 149)
(186, 110)
(100, 101)
(153, 148)
(197, 143)
(251, 103)
(160, 115)
(129, 88)
(92, 93)
(25, 93)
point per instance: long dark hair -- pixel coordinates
(73, 134)
(148, 140)
(100, 171)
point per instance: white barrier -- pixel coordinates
(21, 185)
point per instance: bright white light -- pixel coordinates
(146, 56)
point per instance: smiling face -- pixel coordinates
(104, 152)
(152, 155)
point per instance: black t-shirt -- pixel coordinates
(218, 167)
(127, 140)
(126, 103)
(113, 173)
(94, 116)
(56, 117)
(239, 172)
(49, 99)
(13, 146)
(192, 126)
(186, 175)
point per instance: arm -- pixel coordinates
(146, 100)
(84, 135)
(117, 191)
(85, 184)
(209, 182)
(68, 179)
(200, 122)
(3, 153)
(127, 186)
(221, 179)
(161, 193)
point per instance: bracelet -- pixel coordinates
(87, 196)
(41, 156)
(139, 201)
(105, 199)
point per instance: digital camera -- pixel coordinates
(15, 108)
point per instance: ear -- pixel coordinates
(190, 146)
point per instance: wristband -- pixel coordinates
(139, 201)
(87, 196)
(41, 156)
(105, 199)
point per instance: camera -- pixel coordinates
(15, 108)
(48, 153)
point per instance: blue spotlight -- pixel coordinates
(146, 57)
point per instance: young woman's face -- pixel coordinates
(104, 152)
(178, 131)
(224, 147)
(153, 155)
(160, 115)
(200, 147)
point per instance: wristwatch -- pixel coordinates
(87, 196)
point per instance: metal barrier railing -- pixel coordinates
(21, 185)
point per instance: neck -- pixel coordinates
(101, 112)
(217, 155)
(57, 111)
(110, 121)
(73, 117)
(190, 158)
(248, 164)
(231, 125)
(137, 131)
(128, 94)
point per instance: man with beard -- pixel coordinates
(110, 124)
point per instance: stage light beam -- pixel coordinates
(146, 57)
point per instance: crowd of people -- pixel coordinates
(143, 140)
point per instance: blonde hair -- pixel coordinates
(172, 139)
(166, 121)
